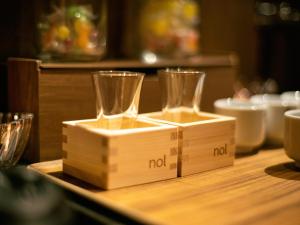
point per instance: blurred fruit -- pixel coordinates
(190, 11)
(83, 42)
(82, 25)
(169, 28)
(160, 27)
(63, 32)
(73, 31)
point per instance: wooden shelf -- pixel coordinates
(260, 189)
(201, 60)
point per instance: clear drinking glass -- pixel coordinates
(181, 92)
(117, 97)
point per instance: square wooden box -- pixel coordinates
(117, 158)
(206, 141)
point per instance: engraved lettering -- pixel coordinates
(219, 151)
(157, 163)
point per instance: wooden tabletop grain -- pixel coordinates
(263, 188)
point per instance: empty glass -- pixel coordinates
(181, 91)
(117, 97)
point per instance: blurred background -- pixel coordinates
(264, 35)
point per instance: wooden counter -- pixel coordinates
(259, 189)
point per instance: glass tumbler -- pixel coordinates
(181, 91)
(117, 98)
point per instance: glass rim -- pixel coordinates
(117, 73)
(180, 71)
(239, 105)
(21, 116)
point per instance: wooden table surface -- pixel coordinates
(263, 188)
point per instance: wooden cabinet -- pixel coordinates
(56, 92)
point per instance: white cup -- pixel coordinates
(276, 107)
(292, 98)
(292, 135)
(250, 122)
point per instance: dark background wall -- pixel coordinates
(265, 50)
(17, 23)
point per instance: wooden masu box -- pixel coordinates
(205, 141)
(140, 152)
(154, 147)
